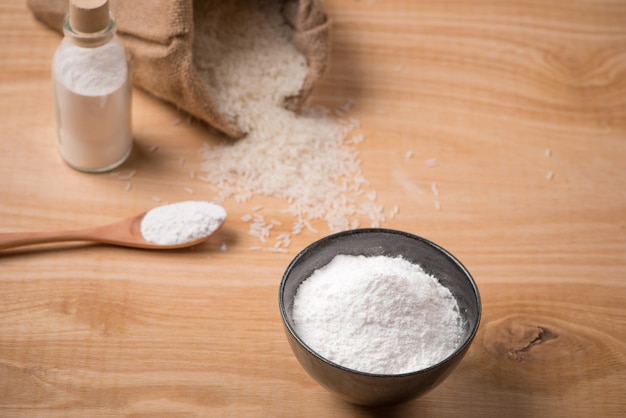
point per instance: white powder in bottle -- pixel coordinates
(377, 314)
(182, 222)
(92, 90)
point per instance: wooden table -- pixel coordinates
(521, 103)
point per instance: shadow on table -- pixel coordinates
(473, 392)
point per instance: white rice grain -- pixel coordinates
(279, 250)
(124, 176)
(394, 212)
(434, 188)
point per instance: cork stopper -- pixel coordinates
(89, 16)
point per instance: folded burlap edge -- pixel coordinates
(312, 39)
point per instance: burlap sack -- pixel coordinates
(158, 35)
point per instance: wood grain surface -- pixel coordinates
(523, 106)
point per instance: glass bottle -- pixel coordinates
(92, 90)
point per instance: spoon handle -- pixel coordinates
(20, 239)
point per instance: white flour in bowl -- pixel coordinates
(182, 222)
(377, 315)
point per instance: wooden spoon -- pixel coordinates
(125, 233)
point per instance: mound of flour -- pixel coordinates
(182, 222)
(377, 315)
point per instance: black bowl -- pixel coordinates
(368, 388)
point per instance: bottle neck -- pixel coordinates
(89, 40)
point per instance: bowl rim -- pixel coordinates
(359, 231)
